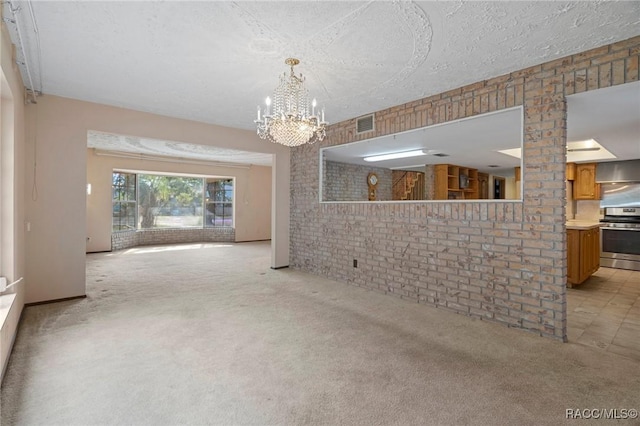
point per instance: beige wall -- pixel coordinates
(510, 189)
(57, 141)
(253, 206)
(12, 169)
(253, 195)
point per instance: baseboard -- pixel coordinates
(64, 299)
(280, 267)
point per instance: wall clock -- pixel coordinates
(372, 181)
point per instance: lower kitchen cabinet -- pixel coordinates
(583, 254)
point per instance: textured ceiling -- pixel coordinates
(215, 61)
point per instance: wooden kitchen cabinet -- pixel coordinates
(584, 185)
(583, 254)
(573, 256)
(440, 182)
(571, 171)
(518, 176)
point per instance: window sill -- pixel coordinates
(6, 302)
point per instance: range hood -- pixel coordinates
(620, 195)
(618, 171)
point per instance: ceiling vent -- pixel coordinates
(440, 154)
(364, 124)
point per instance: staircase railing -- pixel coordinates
(408, 185)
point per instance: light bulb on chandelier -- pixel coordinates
(291, 123)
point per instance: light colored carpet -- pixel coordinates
(208, 334)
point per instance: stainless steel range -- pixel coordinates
(620, 238)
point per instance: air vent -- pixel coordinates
(364, 124)
(441, 154)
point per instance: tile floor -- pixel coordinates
(604, 312)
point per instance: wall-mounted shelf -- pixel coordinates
(455, 182)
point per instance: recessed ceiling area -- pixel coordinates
(137, 147)
(611, 116)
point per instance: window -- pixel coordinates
(147, 201)
(169, 201)
(219, 202)
(124, 201)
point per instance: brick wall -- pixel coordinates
(123, 239)
(126, 239)
(499, 261)
(348, 182)
(429, 179)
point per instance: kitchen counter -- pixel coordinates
(583, 250)
(582, 224)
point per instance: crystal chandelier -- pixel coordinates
(290, 122)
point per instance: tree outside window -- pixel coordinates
(159, 201)
(169, 201)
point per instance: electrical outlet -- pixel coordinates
(3, 284)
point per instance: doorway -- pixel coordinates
(499, 184)
(604, 311)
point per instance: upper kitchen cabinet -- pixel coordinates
(584, 185)
(571, 171)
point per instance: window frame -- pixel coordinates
(223, 202)
(124, 201)
(206, 179)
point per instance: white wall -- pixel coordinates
(253, 195)
(12, 234)
(58, 141)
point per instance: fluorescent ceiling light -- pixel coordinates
(583, 146)
(394, 155)
(582, 149)
(415, 166)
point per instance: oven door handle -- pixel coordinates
(610, 228)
